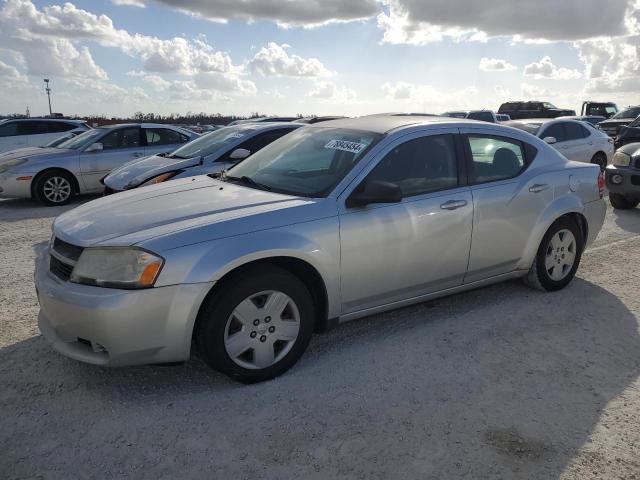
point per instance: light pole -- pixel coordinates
(48, 90)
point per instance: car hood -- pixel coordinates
(181, 212)
(138, 171)
(36, 153)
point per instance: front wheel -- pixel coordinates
(54, 188)
(600, 159)
(620, 202)
(558, 257)
(257, 325)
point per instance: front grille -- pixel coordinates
(638, 163)
(635, 180)
(67, 250)
(60, 269)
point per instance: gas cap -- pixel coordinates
(574, 183)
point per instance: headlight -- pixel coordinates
(115, 267)
(163, 177)
(621, 159)
(4, 166)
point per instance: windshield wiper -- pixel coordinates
(248, 181)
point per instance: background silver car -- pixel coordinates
(332, 222)
(211, 153)
(54, 175)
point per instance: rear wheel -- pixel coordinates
(257, 325)
(54, 188)
(620, 202)
(600, 159)
(558, 257)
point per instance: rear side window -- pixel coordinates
(122, 138)
(33, 128)
(55, 127)
(495, 158)
(420, 166)
(575, 131)
(164, 136)
(9, 129)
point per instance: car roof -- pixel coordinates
(30, 119)
(385, 123)
(267, 125)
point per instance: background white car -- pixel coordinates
(35, 132)
(576, 140)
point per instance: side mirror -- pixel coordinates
(550, 140)
(375, 191)
(239, 154)
(95, 147)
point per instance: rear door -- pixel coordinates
(507, 201)
(160, 140)
(579, 142)
(118, 147)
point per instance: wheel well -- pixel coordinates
(305, 272)
(581, 221)
(74, 180)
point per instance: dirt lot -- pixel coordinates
(503, 382)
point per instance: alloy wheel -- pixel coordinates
(56, 189)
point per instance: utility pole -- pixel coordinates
(48, 90)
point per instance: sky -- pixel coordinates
(321, 57)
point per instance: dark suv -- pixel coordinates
(519, 110)
(621, 119)
(622, 177)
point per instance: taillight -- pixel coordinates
(601, 185)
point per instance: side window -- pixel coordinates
(163, 136)
(420, 166)
(32, 128)
(121, 138)
(556, 131)
(576, 131)
(495, 158)
(55, 127)
(9, 129)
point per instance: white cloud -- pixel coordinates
(10, 72)
(501, 91)
(129, 3)
(423, 21)
(546, 69)
(306, 13)
(495, 65)
(329, 91)
(531, 92)
(274, 60)
(429, 98)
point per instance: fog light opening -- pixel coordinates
(616, 179)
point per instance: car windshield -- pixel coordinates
(628, 113)
(635, 123)
(531, 128)
(83, 140)
(549, 105)
(212, 142)
(58, 141)
(308, 162)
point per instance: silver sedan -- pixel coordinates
(54, 175)
(330, 223)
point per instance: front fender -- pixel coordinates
(316, 243)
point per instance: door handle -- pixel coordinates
(453, 204)
(538, 187)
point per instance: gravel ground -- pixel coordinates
(503, 382)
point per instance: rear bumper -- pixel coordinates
(113, 327)
(595, 213)
(630, 185)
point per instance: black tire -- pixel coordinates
(218, 307)
(620, 202)
(600, 159)
(538, 276)
(43, 183)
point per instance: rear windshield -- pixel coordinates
(628, 113)
(532, 128)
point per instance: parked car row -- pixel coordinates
(330, 222)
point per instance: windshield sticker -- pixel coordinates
(345, 146)
(235, 135)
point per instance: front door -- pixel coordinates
(118, 147)
(394, 252)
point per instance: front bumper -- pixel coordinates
(11, 187)
(630, 185)
(117, 327)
